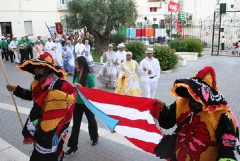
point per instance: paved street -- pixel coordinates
(111, 147)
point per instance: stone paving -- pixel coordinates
(113, 147)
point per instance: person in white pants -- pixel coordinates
(150, 69)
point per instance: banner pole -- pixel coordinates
(5, 74)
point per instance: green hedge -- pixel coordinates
(194, 45)
(137, 48)
(178, 45)
(187, 45)
(166, 56)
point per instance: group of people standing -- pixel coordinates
(119, 72)
(15, 50)
(64, 56)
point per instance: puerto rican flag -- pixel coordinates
(133, 117)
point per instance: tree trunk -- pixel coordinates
(101, 44)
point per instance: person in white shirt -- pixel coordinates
(13, 47)
(88, 56)
(223, 43)
(50, 47)
(150, 69)
(80, 48)
(120, 57)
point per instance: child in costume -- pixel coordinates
(212, 132)
(53, 103)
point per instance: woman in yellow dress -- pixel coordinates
(128, 82)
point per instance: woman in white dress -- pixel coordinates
(108, 74)
(68, 60)
(58, 53)
(88, 56)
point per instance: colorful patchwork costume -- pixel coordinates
(211, 133)
(50, 116)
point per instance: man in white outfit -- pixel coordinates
(80, 48)
(120, 56)
(150, 69)
(50, 47)
(14, 48)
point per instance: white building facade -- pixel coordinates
(21, 17)
(156, 11)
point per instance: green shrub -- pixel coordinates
(176, 36)
(137, 48)
(194, 45)
(187, 45)
(118, 38)
(166, 56)
(178, 45)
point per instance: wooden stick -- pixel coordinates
(5, 74)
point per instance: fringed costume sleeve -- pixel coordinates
(23, 93)
(29, 131)
(226, 135)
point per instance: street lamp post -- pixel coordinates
(170, 23)
(167, 20)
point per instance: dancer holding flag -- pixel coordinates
(82, 77)
(209, 130)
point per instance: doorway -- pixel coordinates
(6, 28)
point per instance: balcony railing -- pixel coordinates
(154, 4)
(155, 0)
(62, 7)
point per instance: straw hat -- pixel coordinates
(149, 50)
(121, 45)
(44, 60)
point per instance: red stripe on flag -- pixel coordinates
(140, 124)
(139, 103)
(146, 146)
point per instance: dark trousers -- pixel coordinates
(11, 55)
(24, 55)
(4, 53)
(222, 46)
(29, 53)
(79, 109)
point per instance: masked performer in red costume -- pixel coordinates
(212, 131)
(53, 103)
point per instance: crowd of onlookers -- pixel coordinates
(61, 48)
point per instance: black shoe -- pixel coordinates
(95, 141)
(70, 151)
(62, 157)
